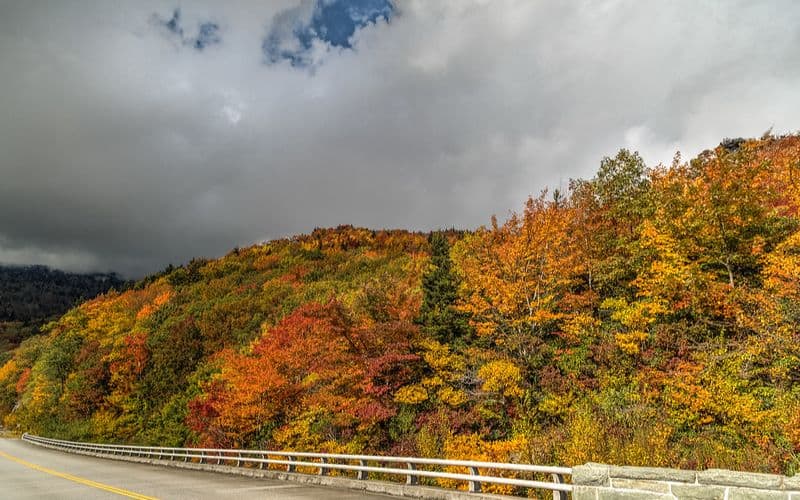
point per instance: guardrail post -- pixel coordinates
(474, 486)
(410, 478)
(219, 457)
(239, 460)
(262, 464)
(323, 471)
(362, 474)
(202, 457)
(559, 495)
(291, 467)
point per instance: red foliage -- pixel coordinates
(314, 358)
(22, 381)
(133, 357)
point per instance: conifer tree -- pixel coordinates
(438, 316)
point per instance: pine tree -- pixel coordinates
(438, 316)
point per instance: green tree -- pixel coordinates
(609, 209)
(438, 317)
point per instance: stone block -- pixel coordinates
(753, 494)
(697, 492)
(612, 494)
(590, 475)
(639, 484)
(792, 483)
(653, 473)
(584, 492)
(745, 479)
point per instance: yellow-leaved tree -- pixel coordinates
(517, 277)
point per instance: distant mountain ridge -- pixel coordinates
(33, 295)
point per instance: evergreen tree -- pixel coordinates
(438, 316)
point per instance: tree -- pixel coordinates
(519, 278)
(608, 210)
(438, 316)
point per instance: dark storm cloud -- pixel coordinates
(126, 147)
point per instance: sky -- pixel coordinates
(141, 133)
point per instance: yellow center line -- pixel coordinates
(70, 477)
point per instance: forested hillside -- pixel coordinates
(33, 295)
(644, 316)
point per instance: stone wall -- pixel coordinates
(609, 482)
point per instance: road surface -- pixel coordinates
(30, 472)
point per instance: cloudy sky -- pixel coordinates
(136, 134)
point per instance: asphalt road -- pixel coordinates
(30, 472)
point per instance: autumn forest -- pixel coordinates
(646, 316)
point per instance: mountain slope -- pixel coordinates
(647, 316)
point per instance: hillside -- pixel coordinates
(33, 295)
(645, 316)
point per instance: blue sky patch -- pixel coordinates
(207, 32)
(334, 22)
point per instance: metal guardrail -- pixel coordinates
(325, 462)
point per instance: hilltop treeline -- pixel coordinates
(33, 295)
(643, 316)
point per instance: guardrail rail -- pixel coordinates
(323, 463)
